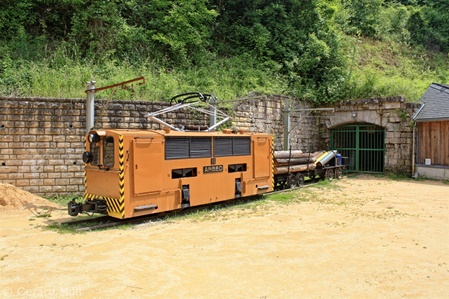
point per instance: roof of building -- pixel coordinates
(435, 103)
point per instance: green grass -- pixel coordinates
(220, 210)
(225, 78)
(284, 197)
(63, 200)
(214, 212)
(240, 207)
(376, 68)
(397, 176)
(67, 228)
(382, 68)
(64, 228)
(72, 228)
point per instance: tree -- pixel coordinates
(299, 37)
(436, 14)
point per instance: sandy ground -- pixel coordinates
(361, 237)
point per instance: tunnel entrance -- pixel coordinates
(362, 144)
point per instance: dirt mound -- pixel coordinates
(12, 198)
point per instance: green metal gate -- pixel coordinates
(362, 144)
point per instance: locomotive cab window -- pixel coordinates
(102, 152)
(95, 151)
(108, 151)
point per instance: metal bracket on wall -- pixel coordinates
(287, 126)
(91, 90)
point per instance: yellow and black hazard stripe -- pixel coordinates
(121, 160)
(114, 206)
(85, 173)
(273, 167)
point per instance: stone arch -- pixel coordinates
(341, 118)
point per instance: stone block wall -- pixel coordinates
(42, 140)
(41, 145)
(259, 114)
(304, 127)
(265, 114)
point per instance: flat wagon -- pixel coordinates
(291, 168)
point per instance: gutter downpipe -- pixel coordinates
(414, 175)
(287, 125)
(213, 110)
(413, 152)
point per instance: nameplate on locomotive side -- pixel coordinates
(213, 168)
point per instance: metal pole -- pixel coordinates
(90, 105)
(213, 109)
(286, 129)
(413, 152)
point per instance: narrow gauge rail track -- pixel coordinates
(94, 220)
(102, 222)
(299, 185)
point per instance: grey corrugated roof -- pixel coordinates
(435, 103)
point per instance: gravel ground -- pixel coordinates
(358, 237)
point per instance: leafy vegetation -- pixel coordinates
(62, 200)
(317, 50)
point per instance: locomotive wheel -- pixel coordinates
(279, 184)
(291, 181)
(330, 174)
(312, 175)
(338, 173)
(300, 179)
(282, 185)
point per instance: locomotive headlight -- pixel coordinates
(87, 157)
(94, 138)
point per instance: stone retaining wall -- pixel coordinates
(265, 114)
(42, 140)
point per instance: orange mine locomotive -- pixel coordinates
(132, 173)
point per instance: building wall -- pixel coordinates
(432, 172)
(433, 142)
(42, 140)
